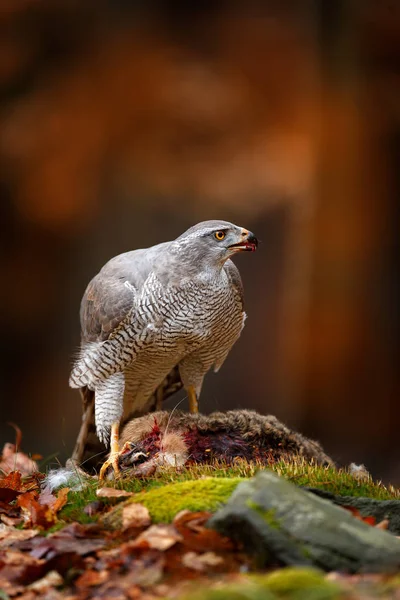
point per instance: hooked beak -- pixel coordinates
(248, 242)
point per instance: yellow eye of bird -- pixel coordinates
(219, 235)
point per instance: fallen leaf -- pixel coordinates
(109, 492)
(196, 536)
(64, 542)
(8, 495)
(158, 537)
(13, 481)
(12, 521)
(135, 515)
(51, 579)
(14, 460)
(201, 562)
(92, 578)
(9, 589)
(13, 485)
(370, 520)
(61, 500)
(34, 513)
(9, 535)
(46, 497)
(383, 524)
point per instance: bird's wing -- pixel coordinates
(110, 295)
(107, 309)
(233, 273)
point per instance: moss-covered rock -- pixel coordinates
(275, 520)
(165, 502)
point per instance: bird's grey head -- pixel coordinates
(211, 243)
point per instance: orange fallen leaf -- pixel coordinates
(92, 578)
(61, 500)
(12, 481)
(369, 520)
(47, 498)
(34, 513)
(196, 536)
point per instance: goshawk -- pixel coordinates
(177, 306)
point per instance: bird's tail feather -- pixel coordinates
(89, 451)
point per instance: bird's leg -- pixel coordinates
(193, 404)
(159, 397)
(112, 460)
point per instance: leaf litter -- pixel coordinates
(43, 556)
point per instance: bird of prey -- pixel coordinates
(149, 312)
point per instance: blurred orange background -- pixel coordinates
(124, 123)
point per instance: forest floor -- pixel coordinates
(147, 538)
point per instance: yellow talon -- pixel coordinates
(112, 460)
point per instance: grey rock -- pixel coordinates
(368, 507)
(277, 521)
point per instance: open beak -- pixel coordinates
(248, 242)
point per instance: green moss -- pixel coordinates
(165, 502)
(244, 591)
(300, 583)
(297, 470)
(267, 515)
(284, 584)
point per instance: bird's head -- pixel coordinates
(216, 241)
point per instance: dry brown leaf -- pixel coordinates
(61, 500)
(135, 515)
(7, 495)
(383, 524)
(13, 460)
(90, 578)
(158, 537)
(46, 497)
(52, 579)
(9, 535)
(34, 513)
(10, 589)
(13, 481)
(201, 562)
(56, 503)
(11, 521)
(196, 536)
(12, 556)
(109, 492)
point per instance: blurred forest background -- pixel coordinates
(122, 123)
